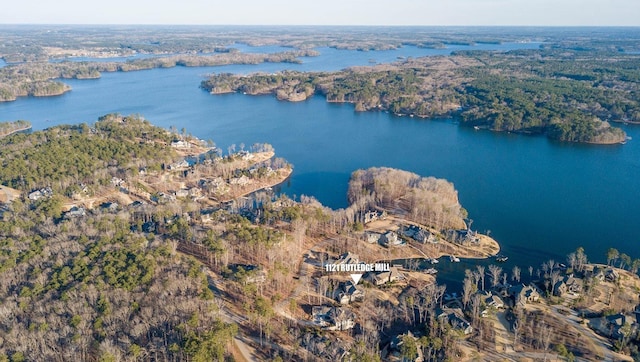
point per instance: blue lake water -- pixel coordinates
(244, 48)
(540, 199)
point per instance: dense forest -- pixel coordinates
(567, 95)
(93, 286)
(64, 157)
(92, 289)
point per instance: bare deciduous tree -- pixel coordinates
(481, 270)
(555, 278)
(515, 273)
(468, 289)
(495, 272)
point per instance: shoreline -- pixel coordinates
(45, 95)
(16, 131)
(161, 62)
(485, 248)
(626, 122)
(280, 180)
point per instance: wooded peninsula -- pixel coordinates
(569, 95)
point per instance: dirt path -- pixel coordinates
(504, 338)
(304, 276)
(228, 316)
(599, 342)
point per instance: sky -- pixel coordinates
(325, 12)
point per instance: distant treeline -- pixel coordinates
(44, 42)
(41, 43)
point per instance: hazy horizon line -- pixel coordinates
(324, 25)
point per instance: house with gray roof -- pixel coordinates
(524, 294)
(333, 318)
(347, 292)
